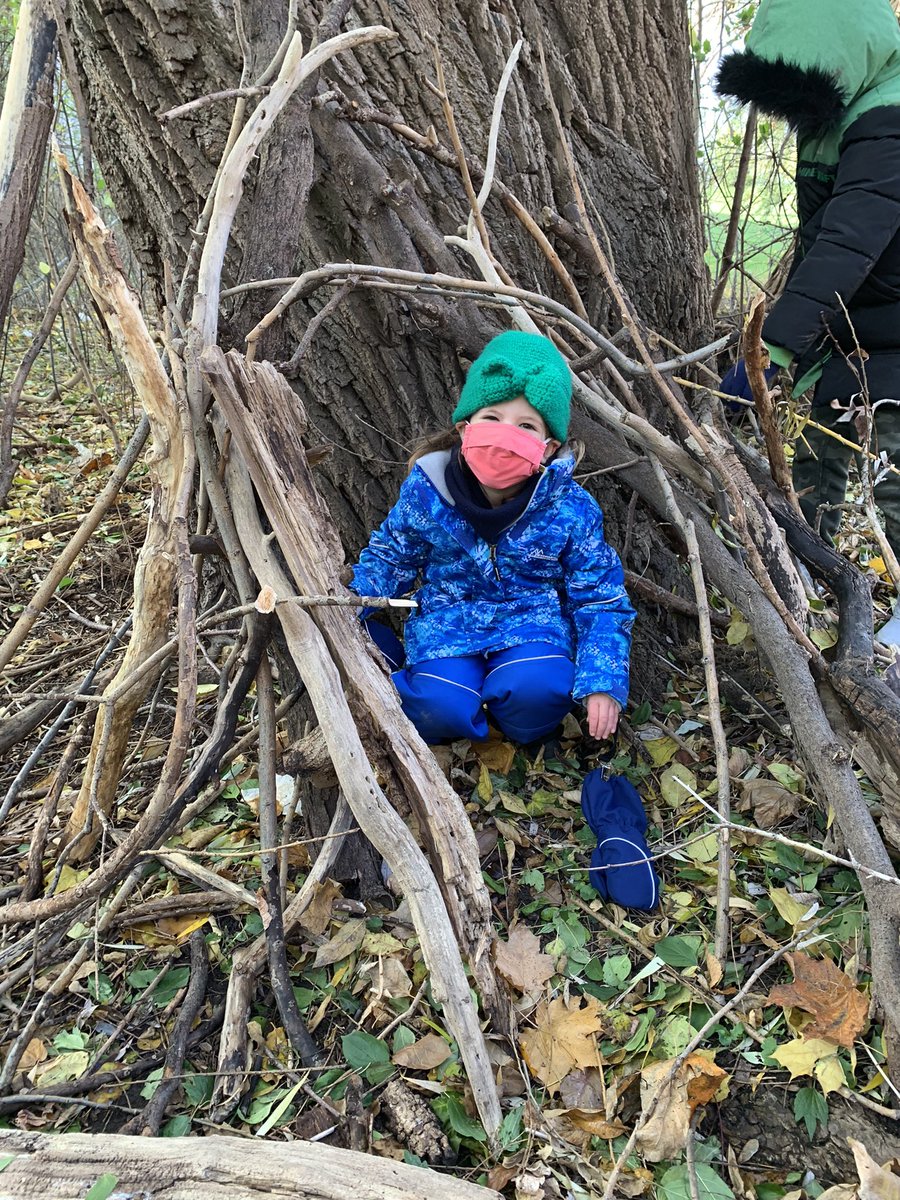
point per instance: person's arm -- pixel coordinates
(859, 222)
(396, 551)
(600, 610)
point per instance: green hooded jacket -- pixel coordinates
(831, 68)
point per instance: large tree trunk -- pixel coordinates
(382, 371)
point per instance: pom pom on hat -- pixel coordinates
(520, 364)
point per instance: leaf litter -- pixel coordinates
(606, 1000)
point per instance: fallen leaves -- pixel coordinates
(423, 1055)
(801, 1055)
(875, 1183)
(345, 942)
(839, 1009)
(693, 1083)
(564, 1038)
(771, 802)
(317, 916)
(521, 963)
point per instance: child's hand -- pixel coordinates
(603, 715)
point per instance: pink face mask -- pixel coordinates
(501, 455)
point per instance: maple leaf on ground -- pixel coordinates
(521, 962)
(840, 1010)
(694, 1083)
(801, 1055)
(564, 1037)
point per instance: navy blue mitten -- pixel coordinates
(385, 639)
(736, 383)
(614, 811)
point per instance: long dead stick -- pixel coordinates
(78, 541)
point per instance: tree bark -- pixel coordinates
(384, 370)
(24, 128)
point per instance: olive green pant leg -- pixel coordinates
(821, 467)
(887, 493)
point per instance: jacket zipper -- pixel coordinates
(493, 550)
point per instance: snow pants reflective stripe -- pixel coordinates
(527, 690)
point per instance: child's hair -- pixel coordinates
(446, 439)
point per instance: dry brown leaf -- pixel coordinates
(347, 940)
(317, 917)
(875, 1183)
(499, 1177)
(181, 928)
(521, 962)
(594, 1122)
(771, 803)
(839, 1008)
(35, 1052)
(564, 1037)
(424, 1055)
(704, 1080)
(714, 969)
(496, 755)
(695, 1082)
(583, 1089)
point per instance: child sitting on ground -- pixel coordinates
(522, 607)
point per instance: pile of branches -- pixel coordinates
(237, 426)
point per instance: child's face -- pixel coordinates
(516, 412)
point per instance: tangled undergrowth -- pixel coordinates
(604, 999)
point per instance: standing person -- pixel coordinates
(522, 607)
(832, 70)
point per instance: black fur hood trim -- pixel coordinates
(810, 99)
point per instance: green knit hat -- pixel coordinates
(520, 364)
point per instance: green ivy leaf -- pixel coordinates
(682, 951)
(70, 1039)
(811, 1109)
(179, 1126)
(450, 1112)
(616, 970)
(675, 1184)
(361, 1050)
(198, 1089)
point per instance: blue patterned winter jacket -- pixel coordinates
(550, 578)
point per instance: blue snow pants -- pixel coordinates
(527, 690)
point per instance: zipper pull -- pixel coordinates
(493, 550)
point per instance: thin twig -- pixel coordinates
(149, 1122)
(720, 743)
(300, 286)
(740, 182)
(765, 407)
(181, 110)
(273, 918)
(805, 847)
(79, 540)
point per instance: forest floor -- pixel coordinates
(603, 996)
